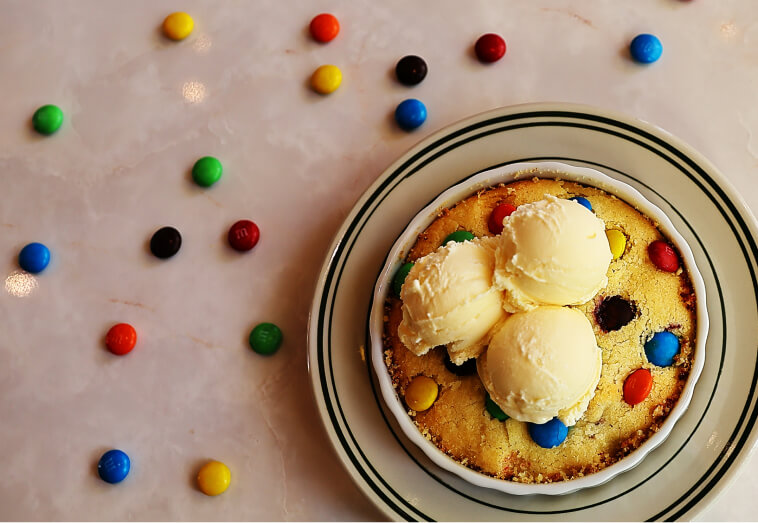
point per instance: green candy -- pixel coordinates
(266, 338)
(207, 171)
(47, 119)
(400, 276)
(458, 236)
(493, 409)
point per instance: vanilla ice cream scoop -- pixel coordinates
(542, 364)
(551, 252)
(448, 299)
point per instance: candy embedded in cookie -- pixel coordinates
(548, 435)
(614, 312)
(421, 393)
(637, 386)
(663, 256)
(662, 348)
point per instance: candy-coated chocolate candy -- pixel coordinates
(490, 48)
(243, 235)
(214, 478)
(581, 200)
(326, 79)
(498, 214)
(399, 278)
(421, 393)
(410, 114)
(34, 257)
(467, 368)
(121, 339)
(165, 242)
(494, 409)
(207, 171)
(637, 386)
(646, 48)
(411, 70)
(616, 241)
(458, 236)
(324, 27)
(113, 466)
(662, 348)
(548, 435)
(265, 338)
(178, 26)
(614, 312)
(47, 119)
(663, 256)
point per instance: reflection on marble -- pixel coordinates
(20, 284)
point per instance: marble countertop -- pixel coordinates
(141, 109)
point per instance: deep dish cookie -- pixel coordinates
(637, 318)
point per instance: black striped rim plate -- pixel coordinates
(699, 457)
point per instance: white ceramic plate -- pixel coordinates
(701, 454)
(507, 174)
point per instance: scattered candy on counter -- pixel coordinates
(214, 478)
(399, 278)
(663, 256)
(34, 258)
(324, 27)
(243, 235)
(207, 171)
(47, 119)
(421, 393)
(326, 79)
(662, 348)
(178, 26)
(646, 48)
(165, 242)
(493, 408)
(113, 466)
(637, 386)
(581, 200)
(458, 236)
(410, 114)
(499, 213)
(613, 313)
(467, 368)
(489, 48)
(410, 70)
(617, 242)
(121, 339)
(265, 338)
(548, 435)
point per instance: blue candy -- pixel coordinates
(661, 348)
(550, 434)
(410, 114)
(34, 258)
(582, 201)
(646, 48)
(114, 466)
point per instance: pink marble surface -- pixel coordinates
(140, 109)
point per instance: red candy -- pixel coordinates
(490, 48)
(637, 386)
(499, 213)
(121, 339)
(324, 27)
(243, 235)
(663, 256)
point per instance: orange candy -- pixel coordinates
(121, 339)
(637, 386)
(324, 27)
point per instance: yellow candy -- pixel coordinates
(421, 393)
(617, 242)
(178, 26)
(214, 478)
(326, 79)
